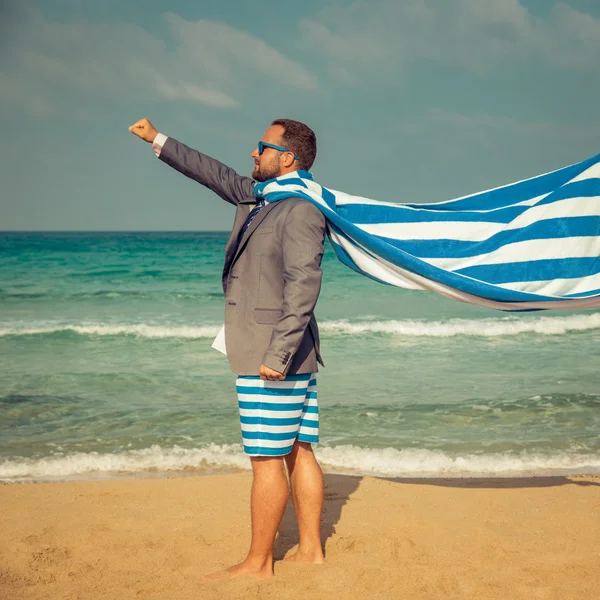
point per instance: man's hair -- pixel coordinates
(301, 139)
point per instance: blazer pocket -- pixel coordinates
(260, 230)
(267, 315)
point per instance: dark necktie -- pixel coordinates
(251, 216)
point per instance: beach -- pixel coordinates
(460, 444)
(384, 538)
(151, 203)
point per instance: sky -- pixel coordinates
(411, 100)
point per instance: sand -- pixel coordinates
(414, 539)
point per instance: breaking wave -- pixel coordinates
(384, 462)
(505, 326)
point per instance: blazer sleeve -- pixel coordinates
(303, 237)
(216, 176)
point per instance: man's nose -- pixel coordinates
(254, 153)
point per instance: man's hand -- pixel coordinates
(144, 129)
(266, 373)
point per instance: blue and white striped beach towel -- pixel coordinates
(534, 244)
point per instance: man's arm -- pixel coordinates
(211, 173)
(304, 231)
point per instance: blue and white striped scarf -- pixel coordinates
(534, 244)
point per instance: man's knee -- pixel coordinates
(301, 447)
(299, 450)
(266, 464)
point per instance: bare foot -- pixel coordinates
(243, 570)
(315, 557)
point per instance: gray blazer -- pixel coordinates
(271, 278)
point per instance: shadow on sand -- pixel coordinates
(339, 488)
(495, 482)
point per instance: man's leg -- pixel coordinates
(306, 479)
(269, 498)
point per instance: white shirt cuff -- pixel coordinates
(158, 143)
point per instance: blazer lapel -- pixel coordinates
(256, 221)
(240, 219)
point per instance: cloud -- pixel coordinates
(201, 62)
(20, 92)
(170, 89)
(485, 125)
(472, 35)
(570, 39)
(225, 49)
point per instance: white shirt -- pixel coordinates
(158, 143)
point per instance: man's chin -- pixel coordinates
(260, 176)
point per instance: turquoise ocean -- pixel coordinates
(107, 370)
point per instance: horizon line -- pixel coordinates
(114, 231)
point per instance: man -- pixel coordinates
(271, 280)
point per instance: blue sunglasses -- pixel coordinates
(263, 145)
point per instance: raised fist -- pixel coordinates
(144, 130)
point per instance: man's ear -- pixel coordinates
(288, 160)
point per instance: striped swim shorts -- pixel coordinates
(274, 414)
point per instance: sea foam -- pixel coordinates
(384, 462)
(504, 326)
(100, 329)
